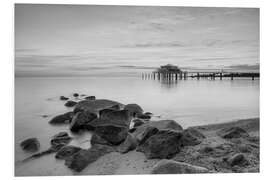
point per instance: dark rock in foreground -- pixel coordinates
(144, 132)
(62, 119)
(112, 133)
(232, 132)
(66, 152)
(63, 98)
(82, 158)
(70, 103)
(133, 109)
(163, 144)
(191, 137)
(58, 141)
(31, 145)
(81, 119)
(173, 167)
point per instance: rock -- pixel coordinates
(232, 132)
(95, 105)
(113, 117)
(112, 133)
(143, 116)
(75, 95)
(142, 133)
(237, 159)
(191, 137)
(163, 144)
(31, 145)
(90, 98)
(133, 109)
(59, 140)
(129, 144)
(165, 125)
(63, 98)
(82, 158)
(66, 152)
(62, 119)
(81, 121)
(173, 167)
(70, 103)
(137, 122)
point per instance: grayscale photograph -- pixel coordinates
(113, 90)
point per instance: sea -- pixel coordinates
(189, 102)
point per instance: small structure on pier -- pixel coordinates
(169, 68)
(170, 72)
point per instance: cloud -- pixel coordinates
(136, 67)
(157, 45)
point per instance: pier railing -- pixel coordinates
(183, 75)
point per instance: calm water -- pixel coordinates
(189, 102)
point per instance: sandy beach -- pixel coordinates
(135, 162)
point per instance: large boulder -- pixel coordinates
(142, 133)
(173, 167)
(112, 133)
(112, 126)
(129, 144)
(232, 132)
(163, 144)
(66, 152)
(133, 109)
(82, 158)
(95, 105)
(30, 144)
(62, 118)
(75, 95)
(191, 137)
(81, 120)
(70, 103)
(113, 117)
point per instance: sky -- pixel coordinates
(91, 40)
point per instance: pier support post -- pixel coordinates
(198, 76)
(231, 76)
(220, 76)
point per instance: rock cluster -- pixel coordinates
(122, 128)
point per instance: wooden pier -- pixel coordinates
(170, 72)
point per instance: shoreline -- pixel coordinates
(127, 140)
(136, 163)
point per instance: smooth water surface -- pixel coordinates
(189, 102)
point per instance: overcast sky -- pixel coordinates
(68, 40)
